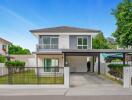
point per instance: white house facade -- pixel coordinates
(52, 42)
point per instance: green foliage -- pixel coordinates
(123, 15)
(117, 65)
(111, 43)
(116, 60)
(13, 49)
(2, 59)
(99, 42)
(17, 64)
(117, 69)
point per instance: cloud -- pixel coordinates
(16, 15)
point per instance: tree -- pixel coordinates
(14, 49)
(112, 43)
(123, 15)
(99, 42)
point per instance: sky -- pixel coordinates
(17, 17)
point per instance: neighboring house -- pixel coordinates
(4, 46)
(53, 41)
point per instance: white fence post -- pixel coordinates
(127, 74)
(66, 77)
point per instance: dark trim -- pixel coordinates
(124, 58)
(81, 54)
(99, 64)
(93, 63)
(96, 51)
(65, 60)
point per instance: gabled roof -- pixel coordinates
(4, 41)
(64, 29)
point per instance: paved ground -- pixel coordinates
(92, 84)
(65, 98)
(80, 80)
(81, 85)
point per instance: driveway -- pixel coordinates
(93, 84)
(80, 80)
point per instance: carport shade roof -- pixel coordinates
(97, 51)
(85, 51)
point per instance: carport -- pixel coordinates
(94, 53)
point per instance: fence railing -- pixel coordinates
(46, 46)
(32, 75)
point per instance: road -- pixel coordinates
(65, 97)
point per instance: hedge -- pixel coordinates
(2, 59)
(117, 69)
(117, 65)
(17, 64)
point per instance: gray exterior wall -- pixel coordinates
(68, 42)
(73, 41)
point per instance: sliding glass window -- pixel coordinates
(51, 65)
(82, 42)
(50, 42)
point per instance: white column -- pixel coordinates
(66, 77)
(126, 77)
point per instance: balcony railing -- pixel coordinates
(46, 46)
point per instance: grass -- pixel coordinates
(108, 76)
(29, 77)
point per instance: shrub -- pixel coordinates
(117, 69)
(117, 65)
(17, 64)
(2, 59)
(116, 60)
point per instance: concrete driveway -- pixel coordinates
(83, 84)
(80, 80)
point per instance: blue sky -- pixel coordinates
(17, 17)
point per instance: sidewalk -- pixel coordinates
(85, 91)
(20, 92)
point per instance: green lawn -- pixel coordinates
(29, 77)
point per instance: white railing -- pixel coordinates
(46, 46)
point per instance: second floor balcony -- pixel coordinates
(43, 47)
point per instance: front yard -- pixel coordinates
(29, 77)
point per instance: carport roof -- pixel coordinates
(97, 51)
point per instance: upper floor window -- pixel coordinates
(82, 43)
(4, 47)
(50, 42)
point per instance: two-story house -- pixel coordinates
(4, 46)
(56, 44)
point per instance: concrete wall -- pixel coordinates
(103, 66)
(3, 69)
(28, 59)
(77, 63)
(64, 42)
(127, 77)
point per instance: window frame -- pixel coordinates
(82, 45)
(51, 68)
(51, 45)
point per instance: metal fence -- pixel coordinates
(32, 75)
